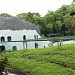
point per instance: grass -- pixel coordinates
(44, 61)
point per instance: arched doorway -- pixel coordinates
(14, 48)
(2, 48)
(36, 45)
(24, 37)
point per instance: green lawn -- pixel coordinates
(45, 61)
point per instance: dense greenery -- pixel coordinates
(46, 61)
(57, 23)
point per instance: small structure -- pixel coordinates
(16, 34)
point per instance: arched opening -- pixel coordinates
(14, 48)
(2, 48)
(9, 38)
(2, 39)
(36, 45)
(24, 37)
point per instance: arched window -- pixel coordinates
(9, 38)
(2, 39)
(24, 37)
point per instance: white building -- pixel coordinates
(16, 34)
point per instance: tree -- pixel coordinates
(31, 17)
(49, 28)
(61, 21)
(69, 21)
(5, 15)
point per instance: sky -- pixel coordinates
(14, 7)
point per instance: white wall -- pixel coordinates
(17, 35)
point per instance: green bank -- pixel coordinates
(44, 61)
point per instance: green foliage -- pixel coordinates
(46, 61)
(31, 17)
(5, 15)
(56, 22)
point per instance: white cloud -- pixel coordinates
(14, 7)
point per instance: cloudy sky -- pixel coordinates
(14, 7)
